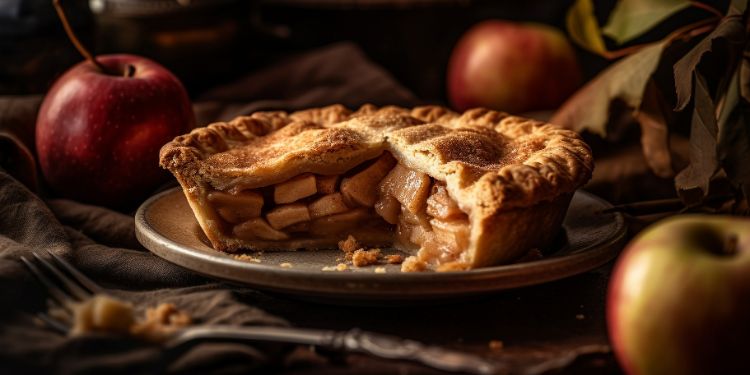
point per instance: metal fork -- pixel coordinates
(68, 286)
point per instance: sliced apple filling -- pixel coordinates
(395, 204)
(456, 190)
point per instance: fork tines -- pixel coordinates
(65, 284)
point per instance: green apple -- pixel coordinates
(679, 298)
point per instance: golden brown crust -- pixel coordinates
(491, 162)
(514, 161)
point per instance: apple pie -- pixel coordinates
(456, 191)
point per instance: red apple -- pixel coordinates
(512, 67)
(679, 298)
(98, 134)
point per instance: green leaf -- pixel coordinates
(704, 161)
(731, 30)
(588, 109)
(632, 18)
(584, 28)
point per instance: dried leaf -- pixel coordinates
(631, 18)
(731, 30)
(583, 27)
(734, 134)
(652, 117)
(729, 102)
(588, 109)
(737, 146)
(704, 161)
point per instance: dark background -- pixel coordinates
(210, 42)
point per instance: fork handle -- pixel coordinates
(354, 340)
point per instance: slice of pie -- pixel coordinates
(456, 191)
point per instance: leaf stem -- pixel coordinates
(72, 36)
(616, 54)
(691, 30)
(663, 205)
(647, 207)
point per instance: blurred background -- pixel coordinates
(210, 42)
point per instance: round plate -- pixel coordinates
(165, 225)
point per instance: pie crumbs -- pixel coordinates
(349, 246)
(364, 258)
(394, 259)
(412, 264)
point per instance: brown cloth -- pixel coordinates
(554, 326)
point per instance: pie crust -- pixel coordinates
(455, 190)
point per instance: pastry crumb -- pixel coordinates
(412, 264)
(379, 269)
(104, 313)
(339, 267)
(361, 256)
(364, 258)
(580, 316)
(161, 322)
(394, 259)
(495, 345)
(285, 265)
(349, 246)
(247, 258)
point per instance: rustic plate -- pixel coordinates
(166, 226)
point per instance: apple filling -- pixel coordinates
(381, 202)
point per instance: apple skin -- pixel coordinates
(98, 135)
(677, 305)
(512, 67)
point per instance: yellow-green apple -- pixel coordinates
(679, 298)
(100, 128)
(512, 67)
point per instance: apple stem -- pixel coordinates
(689, 31)
(72, 36)
(129, 71)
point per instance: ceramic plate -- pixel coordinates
(166, 226)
